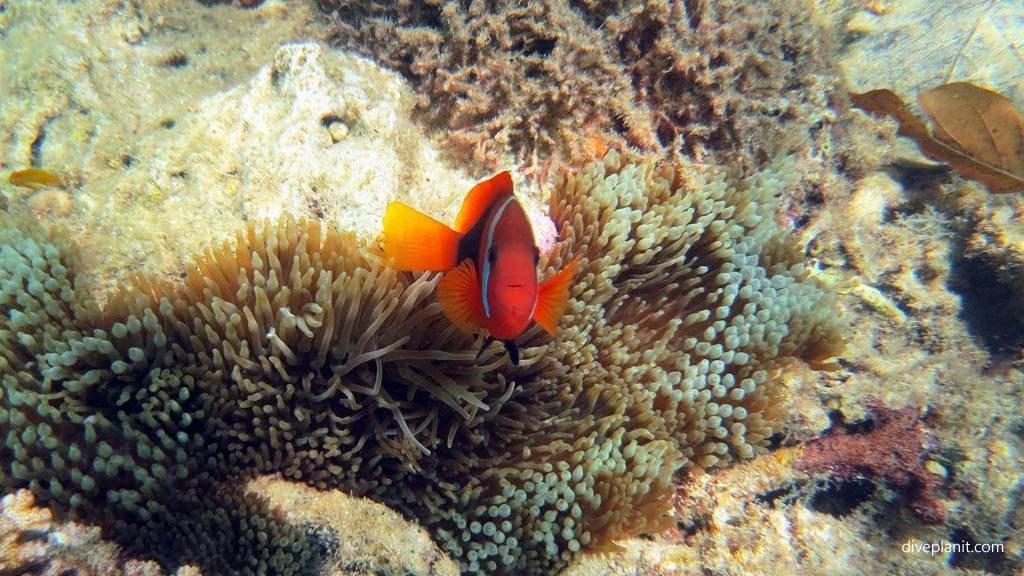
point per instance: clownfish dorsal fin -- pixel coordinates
(480, 199)
(417, 241)
(458, 293)
(553, 296)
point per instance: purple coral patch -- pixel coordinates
(894, 450)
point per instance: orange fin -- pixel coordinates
(417, 241)
(480, 198)
(553, 296)
(458, 293)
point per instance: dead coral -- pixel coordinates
(552, 76)
(894, 451)
(31, 543)
(371, 538)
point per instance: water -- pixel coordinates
(826, 351)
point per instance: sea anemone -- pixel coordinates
(298, 351)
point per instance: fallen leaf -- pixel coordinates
(978, 122)
(977, 132)
(35, 178)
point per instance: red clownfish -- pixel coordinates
(490, 263)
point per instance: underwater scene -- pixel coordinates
(546, 287)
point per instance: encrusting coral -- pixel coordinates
(896, 452)
(298, 351)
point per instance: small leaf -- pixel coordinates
(977, 132)
(35, 178)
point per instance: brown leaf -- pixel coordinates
(977, 132)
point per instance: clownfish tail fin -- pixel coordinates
(553, 296)
(417, 241)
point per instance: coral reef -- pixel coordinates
(688, 299)
(126, 99)
(923, 263)
(895, 450)
(554, 77)
(297, 351)
(31, 543)
(918, 256)
(761, 516)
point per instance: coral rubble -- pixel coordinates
(297, 351)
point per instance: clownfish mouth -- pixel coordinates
(515, 286)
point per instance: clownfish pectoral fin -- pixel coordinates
(417, 241)
(480, 199)
(458, 293)
(553, 296)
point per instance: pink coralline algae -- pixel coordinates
(895, 450)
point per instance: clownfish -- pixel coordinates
(489, 260)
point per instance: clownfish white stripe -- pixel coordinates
(487, 261)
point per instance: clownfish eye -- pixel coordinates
(492, 256)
